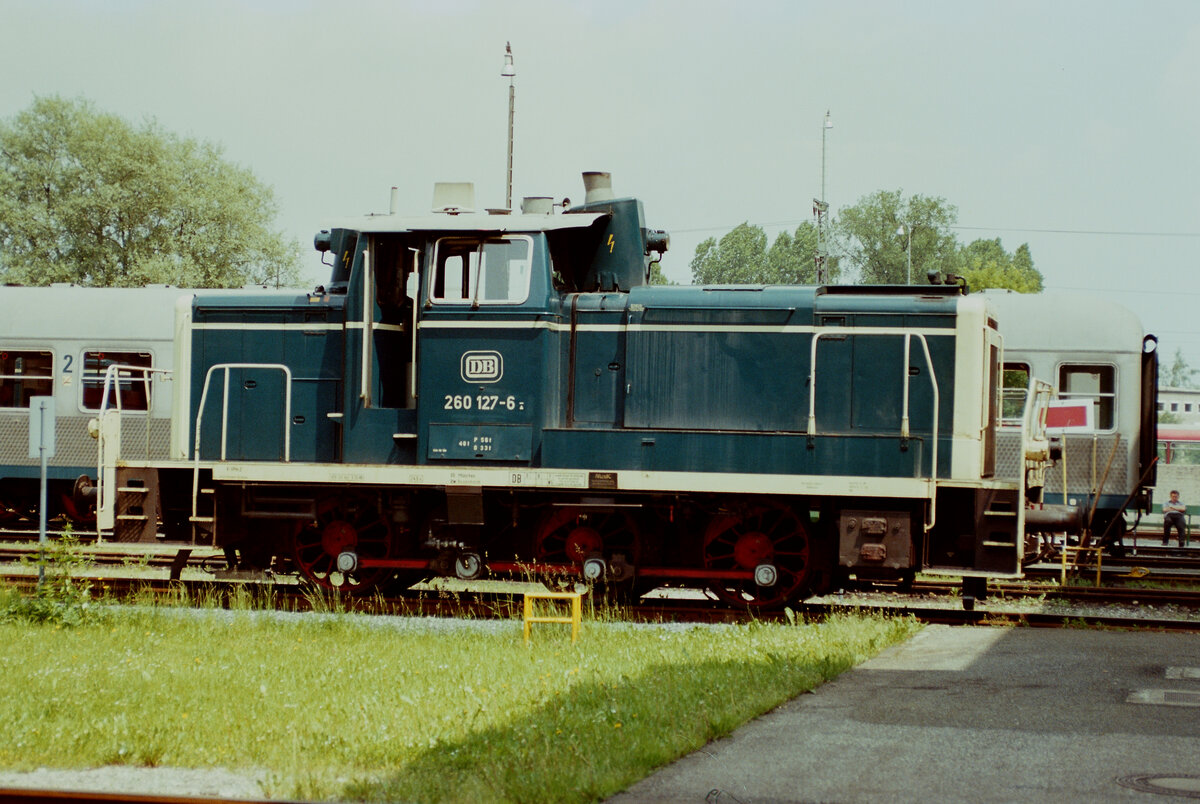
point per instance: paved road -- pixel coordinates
(971, 714)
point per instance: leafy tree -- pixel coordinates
(791, 258)
(739, 257)
(85, 197)
(985, 264)
(742, 257)
(875, 235)
(657, 277)
(1179, 374)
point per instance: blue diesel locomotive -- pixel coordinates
(478, 393)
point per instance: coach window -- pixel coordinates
(133, 386)
(24, 375)
(1012, 396)
(1097, 383)
(493, 270)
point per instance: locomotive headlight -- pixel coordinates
(657, 240)
(468, 566)
(93, 428)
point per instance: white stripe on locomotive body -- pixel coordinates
(791, 329)
(238, 326)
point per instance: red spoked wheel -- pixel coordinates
(350, 523)
(80, 514)
(9, 512)
(766, 533)
(15, 506)
(570, 535)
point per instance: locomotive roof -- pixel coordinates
(469, 222)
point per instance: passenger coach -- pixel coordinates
(59, 341)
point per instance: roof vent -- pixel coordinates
(598, 186)
(537, 205)
(453, 197)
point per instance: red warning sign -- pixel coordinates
(1069, 416)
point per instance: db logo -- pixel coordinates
(481, 366)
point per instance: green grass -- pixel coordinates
(353, 707)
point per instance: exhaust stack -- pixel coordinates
(537, 205)
(598, 186)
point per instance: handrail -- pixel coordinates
(811, 429)
(368, 335)
(287, 416)
(111, 373)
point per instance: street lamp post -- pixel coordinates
(906, 229)
(821, 206)
(509, 72)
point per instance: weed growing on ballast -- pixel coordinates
(60, 598)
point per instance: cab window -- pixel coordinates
(475, 271)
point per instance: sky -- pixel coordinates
(1070, 126)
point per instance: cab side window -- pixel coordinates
(475, 271)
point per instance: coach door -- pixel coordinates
(380, 416)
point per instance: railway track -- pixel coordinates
(118, 571)
(1007, 604)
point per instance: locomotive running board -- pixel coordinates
(587, 480)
